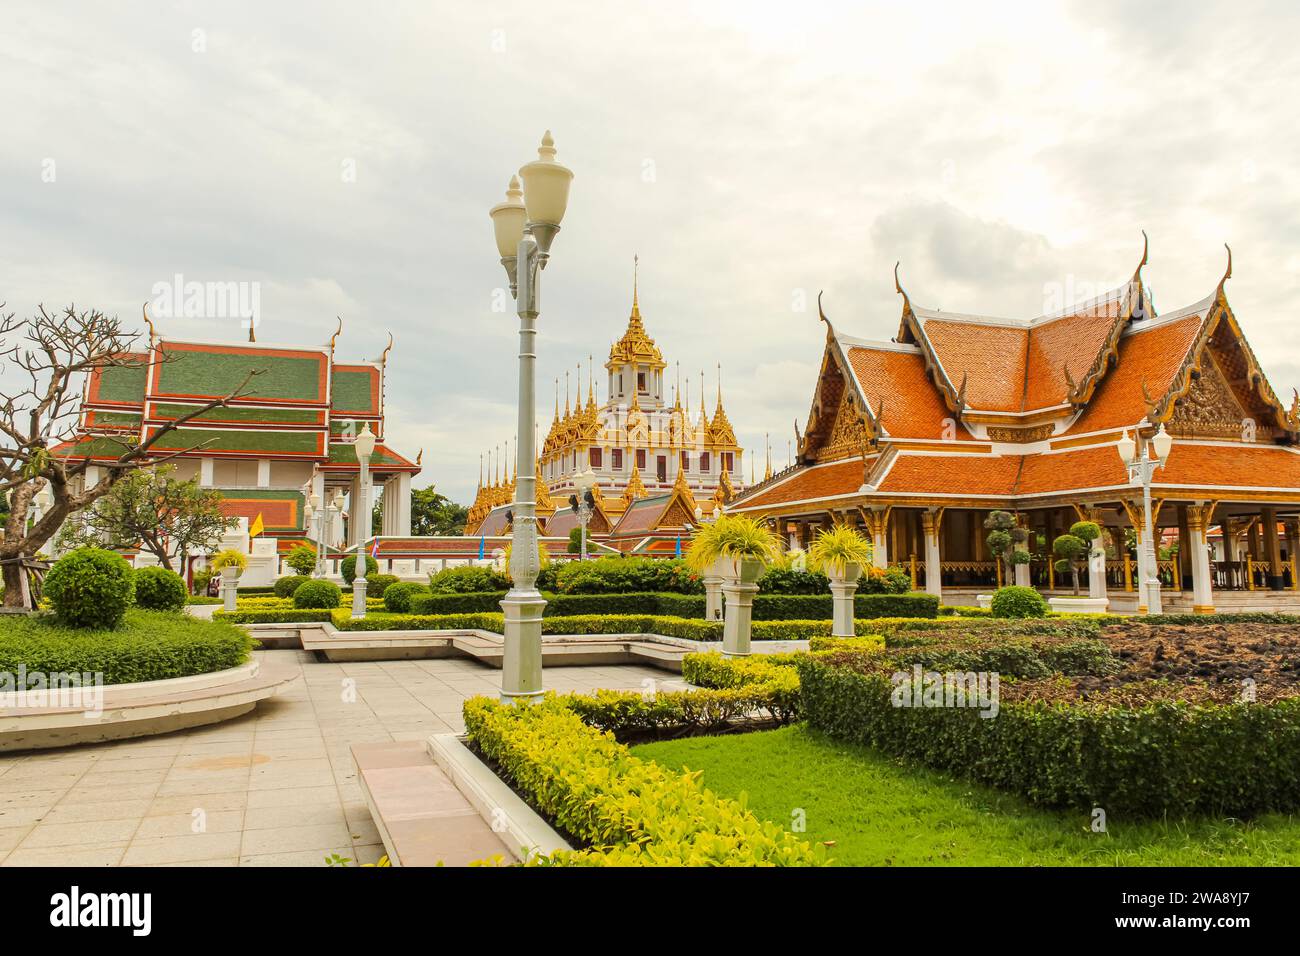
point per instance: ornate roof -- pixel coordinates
(636, 346)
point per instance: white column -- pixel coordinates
(843, 590)
(402, 525)
(931, 523)
(263, 472)
(737, 625)
(1198, 520)
(356, 513)
(1140, 585)
(205, 472)
(878, 522)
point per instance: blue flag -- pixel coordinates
(678, 552)
(480, 548)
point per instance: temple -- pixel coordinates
(639, 447)
(285, 440)
(917, 439)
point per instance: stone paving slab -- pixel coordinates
(274, 787)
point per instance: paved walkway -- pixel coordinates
(276, 787)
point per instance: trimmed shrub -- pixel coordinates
(397, 597)
(569, 605)
(317, 594)
(779, 579)
(302, 558)
(287, 615)
(453, 602)
(496, 623)
(627, 575)
(378, 584)
(348, 568)
(285, 586)
(90, 588)
(631, 811)
(148, 645)
(158, 589)
(468, 578)
(1015, 601)
(1162, 757)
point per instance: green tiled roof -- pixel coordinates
(253, 416)
(122, 383)
(343, 453)
(242, 440)
(101, 419)
(214, 373)
(353, 391)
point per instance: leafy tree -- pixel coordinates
(1006, 541)
(302, 558)
(1072, 549)
(575, 541)
(154, 511)
(431, 514)
(48, 356)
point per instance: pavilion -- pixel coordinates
(917, 439)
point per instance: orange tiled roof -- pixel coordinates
(912, 406)
(815, 482)
(1072, 342)
(1152, 355)
(990, 357)
(973, 475)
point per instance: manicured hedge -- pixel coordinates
(456, 602)
(397, 598)
(626, 811)
(343, 620)
(149, 645)
(90, 588)
(1161, 758)
(289, 615)
(285, 586)
(159, 589)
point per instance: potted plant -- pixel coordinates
(229, 564)
(745, 546)
(841, 552)
(1072, 551)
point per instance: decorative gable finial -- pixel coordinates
(335, 337)
(383, 358)
(961, 393)
(1227, 274)
(1071, 386)
(1146, 247)
(1151, 404)
(144, 310)
(898, 287)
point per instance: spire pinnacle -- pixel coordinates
(566, 393)
(636, 263)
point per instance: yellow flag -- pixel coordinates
(256, 527)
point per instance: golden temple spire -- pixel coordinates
(566, 395)
(591, 382)
(557, 399)
(635, 487)
(681, 487)
(635, 347)
(636, 265)
(480, 470)
(767, 440)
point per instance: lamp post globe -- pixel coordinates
(546, 194)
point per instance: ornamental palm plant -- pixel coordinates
(837, 548)
(732, 536)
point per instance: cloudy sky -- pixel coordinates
(343, 156)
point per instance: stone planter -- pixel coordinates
(229, 587)
(739, 591)
(1078, 605)
(715, 575)
(843, 588)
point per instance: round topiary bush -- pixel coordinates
(158, 589)
(1017, 601)
(90, 588)
(302, 559)
(317, 594)
(378, 584)
(397, 597)
(287, 585)
(348, 567)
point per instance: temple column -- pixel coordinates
(1292, 544)
(1021, 571)
(1229, 550)
(931, 525)
(1183, 566)
(1140, 546)
(356, 514)
(1272, 549)
(877, 518)
(1096, 554)
(1197, 519)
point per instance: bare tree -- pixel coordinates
(50, 356)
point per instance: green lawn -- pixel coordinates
(883, 812)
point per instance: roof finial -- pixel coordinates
(1228, 274)
(1146, 246)
(636, 264)
(480, 469)
(383, 358)
(557, 398)
(418, 455)
(144, 310)
(566, 393)
(334, 337)
(591, 381)
(719, 384)
(898, 287)
(251, 336)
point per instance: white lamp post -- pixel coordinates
(314, 515)
(365, 447)
(524, 233)
(584, 481)
(1141, 467)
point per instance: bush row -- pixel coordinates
(1162, 758)
(624, 811)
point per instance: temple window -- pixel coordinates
(616, 459)
(640, 381)
(728, 462)
(593, 455)
(661, 468)
(704, 462)
(640, 459)
(686, 462)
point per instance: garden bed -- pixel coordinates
(149, 646)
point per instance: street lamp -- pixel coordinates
(314, 523)
(1141, 467)
(365, 447)
(524, 233)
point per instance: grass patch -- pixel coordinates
(883, 812)
(150, 645)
